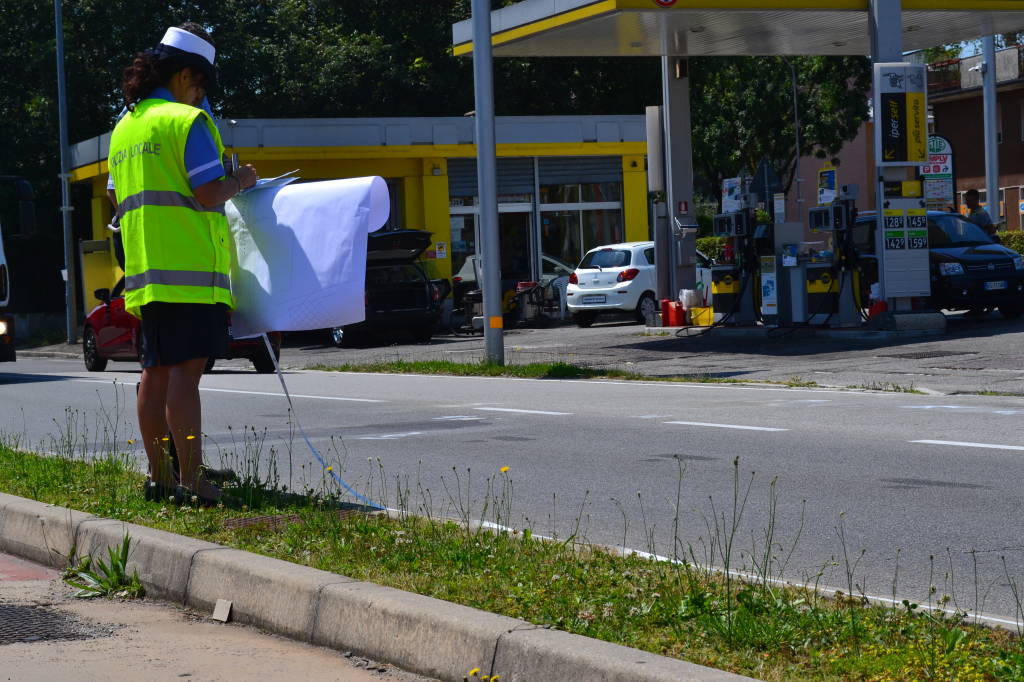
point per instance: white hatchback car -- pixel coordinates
(613, 278)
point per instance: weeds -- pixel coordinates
(98, 578)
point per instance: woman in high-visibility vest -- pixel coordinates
(166, 162)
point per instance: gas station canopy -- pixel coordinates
(644, 28)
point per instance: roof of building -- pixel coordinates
(401, 132)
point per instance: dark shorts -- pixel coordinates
(175, 332)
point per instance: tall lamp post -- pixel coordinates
(796, 133)
(70, 270)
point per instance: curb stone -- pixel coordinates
(421, 634)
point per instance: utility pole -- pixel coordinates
(989, 76)
(487, 183)
(71, 272)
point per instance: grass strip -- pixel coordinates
(681, 610)
(533, 370)
(565, 370)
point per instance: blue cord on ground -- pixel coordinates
(312, 448)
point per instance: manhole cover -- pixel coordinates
(33, 624)
(924, 355)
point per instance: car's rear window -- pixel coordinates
(606, 258)
(391, 275)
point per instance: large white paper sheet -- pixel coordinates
(301, 253)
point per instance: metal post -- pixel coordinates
(65, 188)
(796, 133)
(487, 184)
(677, 131)
(988, 71)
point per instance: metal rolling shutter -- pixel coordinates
(515, 176)
(565, 170)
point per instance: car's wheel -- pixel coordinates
(646, 307)
(342, 338)
(583, 319)
(91, 352)
(1011, 311)
(210, 362)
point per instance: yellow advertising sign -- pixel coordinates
(917, 127)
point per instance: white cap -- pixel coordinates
(189, 42)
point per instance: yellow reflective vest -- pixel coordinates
(176, 250)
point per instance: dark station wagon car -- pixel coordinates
(969, 269)
(400, 298)
(111, 333)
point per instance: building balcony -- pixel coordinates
(964, 73)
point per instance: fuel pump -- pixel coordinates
(831, 285)
(733, 280)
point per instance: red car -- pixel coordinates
(110, 333)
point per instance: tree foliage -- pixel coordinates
(311, 58)
(743, 112)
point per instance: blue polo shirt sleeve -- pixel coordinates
(202, 162)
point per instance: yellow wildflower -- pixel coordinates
(503, 469)
(474, 672)
(330, 468)
(190, 437)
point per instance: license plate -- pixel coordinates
(597, 298)
(992, 286)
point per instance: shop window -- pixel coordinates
(603, 226)
(560, 235)
(559, 194)
(463, 241)
(601, 191)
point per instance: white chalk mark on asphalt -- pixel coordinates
(510, 409)
(296, 395)
(729, 426)
(458, 418)
(652, 416)
(959, 444)
(391, 436)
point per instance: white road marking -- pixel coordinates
(961, 407)
(729, 426)
(510, 409)
(960, 444)
(391, 436)
(651, 416)
(938, 407)
(458, 418)
(279, 395)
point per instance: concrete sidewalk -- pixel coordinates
(976, 354)
(101, 639)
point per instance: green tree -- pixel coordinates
(743, 112)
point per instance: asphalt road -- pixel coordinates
(934, 478)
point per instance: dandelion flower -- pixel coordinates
(131, 442)
(330, 468)
(165, 439)
(190, 437)
(504, 470)
(474, 672)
